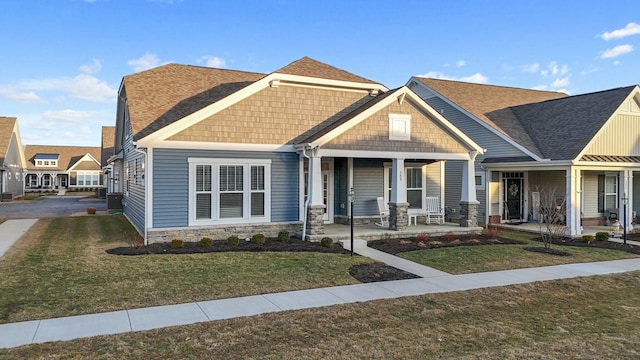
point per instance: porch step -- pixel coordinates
(357, 244)
(62, 192)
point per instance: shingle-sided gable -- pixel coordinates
(7, 125)
(313, 68)
(562, 128)
(162, 95)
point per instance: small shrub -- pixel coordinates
(135, 240)
(233, 240)
(475, 242)
(602, 236)
(206, 242)
(456, 242)
(326, 242)
(588, 238)
(449, 236)
(258, 239)
(422, 237)
(283, 236)
(177, 243)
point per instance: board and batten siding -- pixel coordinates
(368, 183)
(171, 183)
(133, 199)
(619, 137)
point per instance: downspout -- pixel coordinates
(306, 203)
(144, 155)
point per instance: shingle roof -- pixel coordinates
(108, 141)
(69, 155)
(7, 125)
(313, 68)
(562, 128)
(491, 103)
(162, 95)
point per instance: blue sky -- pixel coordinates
(62, 61)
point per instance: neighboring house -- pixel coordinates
(12, 160)
(62, 167)
(108, 140)
(586, 147)
(213, 152)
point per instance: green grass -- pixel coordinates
(60, 268)
(583, 318)
(472, 259)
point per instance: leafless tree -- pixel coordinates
(549, 207)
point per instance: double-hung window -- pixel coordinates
(223, 191)
(415, 186)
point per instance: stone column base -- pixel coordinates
(315, 219)
(398, 216)
(469, 214)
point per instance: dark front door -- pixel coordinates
(513, 198)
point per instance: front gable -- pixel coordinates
(426, 134)
(619, 135)
(86, 162)
(274, 115)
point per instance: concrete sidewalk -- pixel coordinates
(67, 328)
(11, 231)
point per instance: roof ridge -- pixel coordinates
(307, 66)
(199, 67)
(493, 85)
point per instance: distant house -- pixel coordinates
(214, 152)
(12, 160)
(106, 162)
(585, 147)
(62, 167)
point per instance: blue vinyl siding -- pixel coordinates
(133, 199)
(171, 184)
(368, 183)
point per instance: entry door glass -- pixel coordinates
(63, 181)
(514, 197)
(325, 193)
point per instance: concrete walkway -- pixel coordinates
(11, 231)
(435, 281)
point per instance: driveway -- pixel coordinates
(50, 206)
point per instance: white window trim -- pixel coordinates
(387, 185)
(402, 118)
(607, 194)
(84, 175)
(215, 201)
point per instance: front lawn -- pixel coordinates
(584, 318)
(472, 259)
(60, 268)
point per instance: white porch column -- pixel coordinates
(398, 182)
(626, 190)
(349, 180)
(469, 179)
(315, 187)
(572, 202)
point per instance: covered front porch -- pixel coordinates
(369, 232)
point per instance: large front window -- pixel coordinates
(611, 192)
(87, 178)
(229, 190)
(415, 186)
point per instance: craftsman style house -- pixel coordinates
(12, 160)
(213, 152)
(586, 148)
(62, 167)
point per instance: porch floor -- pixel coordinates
(368, 232)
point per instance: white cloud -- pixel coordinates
(560, 82)
(475, 78)
(87, 87)
(630, 29)
(145, 62)
(92, 68)
(19, 96)
(554, 69)
(461, 63)
(212, 61)
(617, 51)
(58, 119)
(532, 68)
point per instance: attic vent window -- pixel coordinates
(399, 127)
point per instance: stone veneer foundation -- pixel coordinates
(398, 216)
(469, 214)
(315, 219)
(220, 232)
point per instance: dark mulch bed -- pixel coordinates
(375, 272)
(595, 244)
(294, 245)
(548, 251)
(396, 246)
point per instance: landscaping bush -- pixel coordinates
(326, 242)
(233, 240)
(177, 243)
(283, 236)
(588, 238)
(206, 242)
(258, 239)
(422, 237)
(602, 236)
